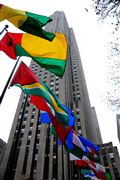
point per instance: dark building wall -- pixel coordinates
(109, 158)
(2, 149)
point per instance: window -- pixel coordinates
(51, 83)
(23, 126)
(25, 118)
(79, 131)
(32, 117)
(28, 142)
(30, 133)
(30, 128)
(78, 123)
(36, 156)
(77, 116)
(111, 155)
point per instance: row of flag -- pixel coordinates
(61, 117)
(49, 50)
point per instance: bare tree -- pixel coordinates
(108, 8)
(113, 77)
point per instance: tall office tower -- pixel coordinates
(109, 157)
(118, 125)
(32, 152)
(2, 149)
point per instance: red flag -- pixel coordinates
(7, 45)
(41, 104)
(97, 168)
(82, 164)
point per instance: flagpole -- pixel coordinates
(8, 81)
(4, 29)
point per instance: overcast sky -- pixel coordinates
(92, 38)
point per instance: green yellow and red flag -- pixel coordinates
(27, 21)
(29, 83)
(50, 55)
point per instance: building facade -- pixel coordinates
(32, 152)
(118, 126)
(109, 157)
(2, 149)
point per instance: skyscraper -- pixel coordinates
(32, 152)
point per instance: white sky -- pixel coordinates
(91, 39)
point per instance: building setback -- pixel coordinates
(118, 126)
(32, 152)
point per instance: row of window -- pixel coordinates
(76, 91)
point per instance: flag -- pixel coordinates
(29, 83)
(97, 168)
(60, 130)
(76, 141)
(108, 176)
(73, 157)
(74, 145)
(90, 147)
(50, 55)
(26, 21)
(81, 163)
(89, 144)
(68, 140)
(88, 174)
(91, 176)
(79, 148)
(71, 116)
(44, 117)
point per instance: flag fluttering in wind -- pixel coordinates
(29, 83)
(57, 128)
(44, 117)
(85, 163)
(70, 113)
(50, 55)
(27, 21)
(97, 168)
(61, 130)
(88, 144)
(78, 148)
(89, 175)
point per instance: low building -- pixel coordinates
(109, 158)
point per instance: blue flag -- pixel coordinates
(44, 117)
(68, 140)
(71, 116)
(88, 143)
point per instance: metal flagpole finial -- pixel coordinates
(6, 26)
(4, 29)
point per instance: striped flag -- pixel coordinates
(97, 168)
(26, 21)
(50, 55)
(30, 84)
